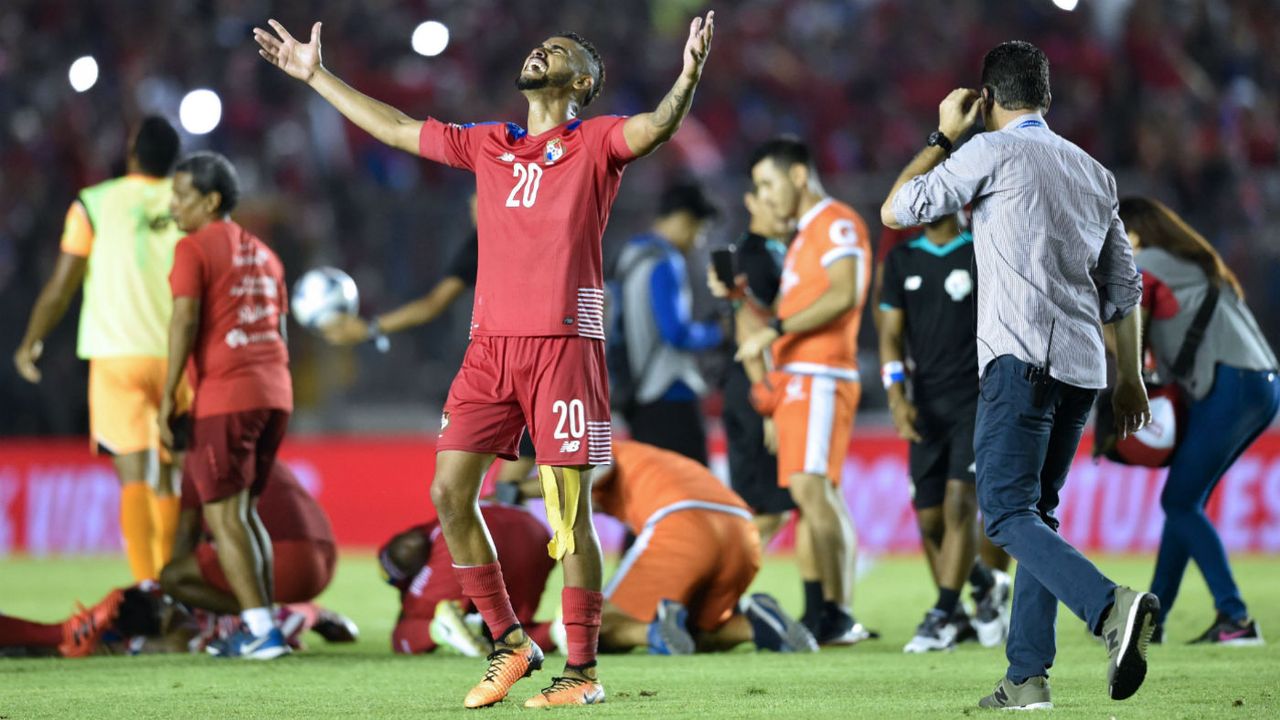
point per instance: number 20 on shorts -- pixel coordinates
(571, 419)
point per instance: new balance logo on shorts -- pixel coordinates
(570, 446)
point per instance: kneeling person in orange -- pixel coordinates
(302, 545)
(680, 587)
(117, 244)
(813, 394)
(228, 321)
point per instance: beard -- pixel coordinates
(545, 80)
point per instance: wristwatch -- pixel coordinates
(938, 139)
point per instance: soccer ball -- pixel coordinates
(321, 295)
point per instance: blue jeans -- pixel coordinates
(1219, 428)
(1023, 455)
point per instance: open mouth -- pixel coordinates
(535, 65)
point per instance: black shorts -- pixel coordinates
(946, 453)
(753, 470)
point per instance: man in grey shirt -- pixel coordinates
(1054, 265)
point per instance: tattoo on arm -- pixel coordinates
(672, 109)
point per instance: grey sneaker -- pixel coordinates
(1032, 694)
(1126, 631)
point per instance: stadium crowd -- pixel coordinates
(1182, 99)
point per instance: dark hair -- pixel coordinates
(1159, 227)
(404, 555)
(687, 197)
(785, 150)
(155, 146)
(1018, 74)
(212, 172)
(597, 65)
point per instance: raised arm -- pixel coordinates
(302, 61)
(646, 131)
(956, 114)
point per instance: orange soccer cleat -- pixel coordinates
(507, 665)
(82, 631)
(568, 691)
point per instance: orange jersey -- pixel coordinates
(830, 231)
(646, 480)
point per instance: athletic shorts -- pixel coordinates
(813, 416)
(557, 386)
(704, 559)
(302, 568)
(124, 403)
(234, 452)
(945, 453)
(753, 470)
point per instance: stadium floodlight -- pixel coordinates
(200, 111)
(430, 38)
(83, 74)
(1067, 5)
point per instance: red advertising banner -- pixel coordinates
(56, 498)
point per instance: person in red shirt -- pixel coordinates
(227, 324)
(302, 545)
(432, 605)
(543, 196)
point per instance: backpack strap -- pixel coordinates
(1195, 334)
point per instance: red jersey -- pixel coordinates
(240, 361)
(646, 480)
(521, 543)
(287, 510)
(542, 202)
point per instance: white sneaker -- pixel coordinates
(558, 634)
(449, 631)
(935, 634)
(991, 614)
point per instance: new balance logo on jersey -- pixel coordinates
(570, 446)
(507, 157)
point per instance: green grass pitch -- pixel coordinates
(872, 680)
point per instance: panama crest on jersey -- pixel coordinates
(554, 150)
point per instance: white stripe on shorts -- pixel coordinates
(822, 417)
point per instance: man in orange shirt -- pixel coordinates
(812, 395)
(680, 587)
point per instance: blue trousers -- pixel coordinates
(1023, 455)
(1219, 428)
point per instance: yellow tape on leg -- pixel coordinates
(561, 518)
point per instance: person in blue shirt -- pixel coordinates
(661, 337)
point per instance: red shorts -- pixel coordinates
(234, 452)
(704, 559)
(302, 568)
(556, 386)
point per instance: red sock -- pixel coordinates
(24, 633)
(581, 623)
(483, 585)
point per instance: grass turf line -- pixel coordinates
(871, 680)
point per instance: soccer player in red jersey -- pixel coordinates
(417, 563)
(228, 317)
(537, 353)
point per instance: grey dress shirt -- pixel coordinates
(1050, 247)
